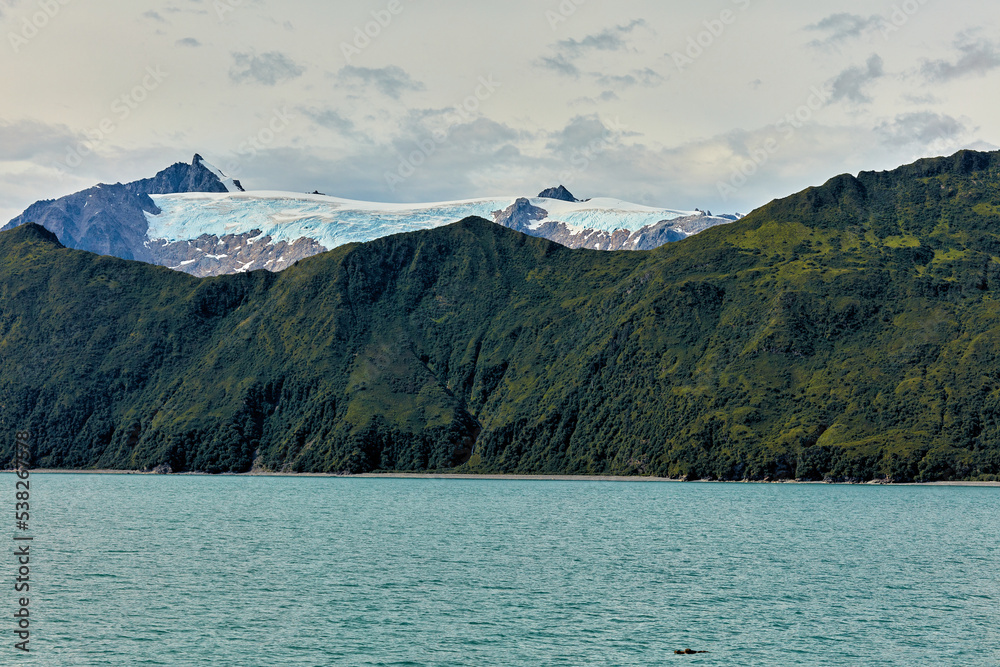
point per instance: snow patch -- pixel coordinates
(225, 180)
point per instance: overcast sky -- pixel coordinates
(717, 104)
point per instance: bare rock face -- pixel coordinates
(647, 238)
(521, 214)
(560, 193)
(210, 255)
(110, 219)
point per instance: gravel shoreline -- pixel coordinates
(466, 476)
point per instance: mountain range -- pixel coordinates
(193, 218)
(847, 332)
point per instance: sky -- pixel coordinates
(721, 105)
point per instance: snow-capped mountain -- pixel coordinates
(110, 219)
(603, 223)
(195, 219)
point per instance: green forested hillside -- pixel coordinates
(851, 331)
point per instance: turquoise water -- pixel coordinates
(179, 570)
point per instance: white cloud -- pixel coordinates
(392, 81)
(568, 53)
(562, 90)
(843, 27)
(850, 84)
(977, 55)
(923, 128)
(267, 69)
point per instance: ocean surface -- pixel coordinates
(189, 570)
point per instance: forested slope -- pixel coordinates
(850, 331)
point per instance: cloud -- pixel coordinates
(25, 183)
(927, 98)
(29, 140)
(605, 96)
(582, 132)
(33, 163)
(5, 5)
(330, 119)
(267, 69)
(481, 135)
(982, 146)
(976, 57)
(640, 77)
(480, 157)
(568, 51)
(849, 84)
(560, 64)
(922, 127)
(842, 27)
(609, 39)
(188, 41)
(391, 81)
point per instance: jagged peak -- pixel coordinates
(559, 192)
(231, 184)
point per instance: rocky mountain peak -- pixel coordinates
(519, 215)
(560, 193)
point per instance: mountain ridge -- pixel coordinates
(116, 223)
(193, 218)
(849, 332)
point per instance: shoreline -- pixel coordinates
(495, 476)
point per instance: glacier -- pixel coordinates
(333, 221)
(604, 214)
(194, 218)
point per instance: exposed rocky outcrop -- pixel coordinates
(522, 214)
(646, 238)
(111, 219)
(180, 177)
(519, 216)
(558, 193)
(233, 253)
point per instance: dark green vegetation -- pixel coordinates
(851, 331)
